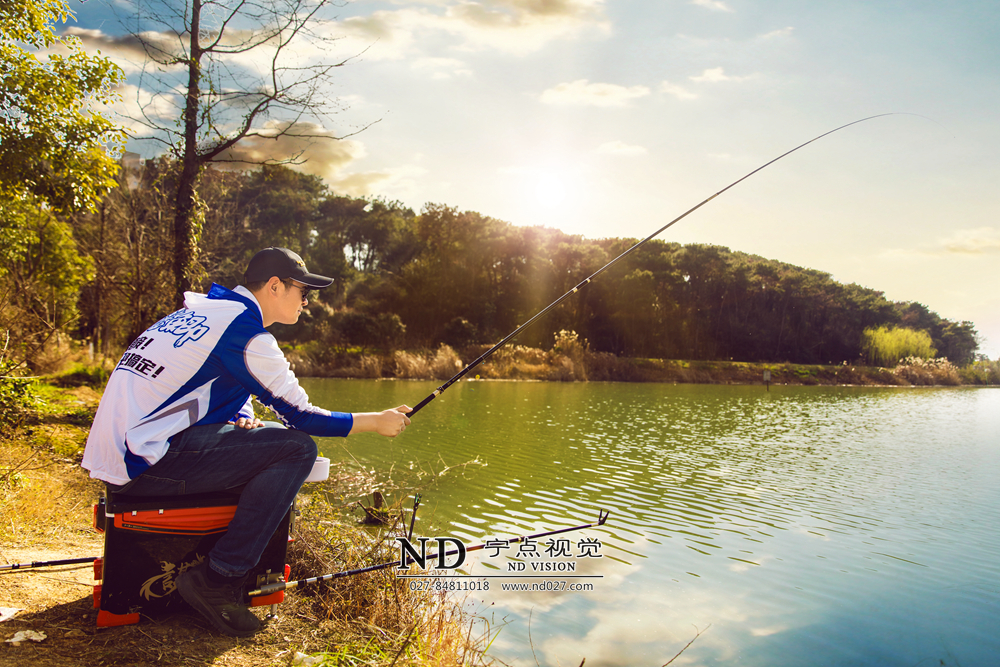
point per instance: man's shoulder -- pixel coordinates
(221, 304)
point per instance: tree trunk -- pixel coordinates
(186, 224)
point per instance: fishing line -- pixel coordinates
(486, 355)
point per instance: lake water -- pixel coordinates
(796, 526)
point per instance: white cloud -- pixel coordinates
(362, 184)
(716, 5)
(402, 183)
(977, 241)
(620, 148)
(510, 26)
(129, 51)
(679, 92)
(314, 148)
(317, 151)
(136, 103)
(774, 34)
(442, 68)
(583, 93)
(714, 75)
(638, 623)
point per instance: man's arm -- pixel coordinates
(269, 376)
(390, 422)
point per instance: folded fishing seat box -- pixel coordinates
(149, 541)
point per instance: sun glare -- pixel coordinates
(551, 189)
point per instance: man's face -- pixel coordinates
(292, 301)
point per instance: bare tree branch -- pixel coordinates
(197, 53)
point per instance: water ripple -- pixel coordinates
(799, 502)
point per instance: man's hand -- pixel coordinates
(243, 422)
(389, 423)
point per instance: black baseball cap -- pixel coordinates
(283, 263)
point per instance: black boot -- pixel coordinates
(221, 604)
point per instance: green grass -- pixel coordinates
(82, 375)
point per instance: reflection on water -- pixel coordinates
(804, 525)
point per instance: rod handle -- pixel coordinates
(422, 403)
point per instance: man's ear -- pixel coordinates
(272, 285)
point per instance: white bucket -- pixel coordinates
(320, 470)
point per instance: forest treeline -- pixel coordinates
(417, 280)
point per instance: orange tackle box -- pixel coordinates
(149, 541)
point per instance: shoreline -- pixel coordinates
(731, 384)
(581, 365)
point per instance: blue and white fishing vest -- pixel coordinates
(198, 365)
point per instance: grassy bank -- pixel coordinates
(570, 360)
(45, 514)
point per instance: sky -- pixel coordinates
(609, 118)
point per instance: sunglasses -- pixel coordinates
(306, 291)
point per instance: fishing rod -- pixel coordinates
(486, 355)
(267, 589)
(47, 563)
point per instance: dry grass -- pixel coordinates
(41, 498)
(517, 362)
(572, 360)
(376, 618)
(44, 494)
(411, 366)
(369, 366)
(445, 363)
(439, 365)
(304, 364)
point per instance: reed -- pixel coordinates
(919, 371)
(445, 363)
(411, 366)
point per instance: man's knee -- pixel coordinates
(305, 442)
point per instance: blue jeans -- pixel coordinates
(271, 461)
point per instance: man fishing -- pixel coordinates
(177, 418)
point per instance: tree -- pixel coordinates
(959, 342)
(56, 157)
(42, 277)
(375, 233)
(197, 46)
(281, 207)
(887, 347)
(54, 142)
(128, 238)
